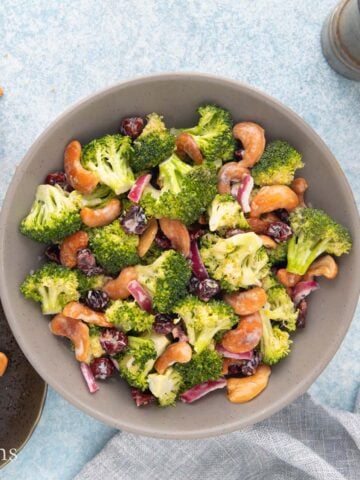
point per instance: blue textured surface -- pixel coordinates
(53, 53)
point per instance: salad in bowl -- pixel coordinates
(180, 260)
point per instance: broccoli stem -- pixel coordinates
(301, 254)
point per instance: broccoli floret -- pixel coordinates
(236, 262)
(93, 282)
(165, 280)
(151, 255)
(314, 233)
(154, 145)
(127, 315)
(137, 361)
(225, 213)
(269, 281)
(213, 134)
(278, 255)
(165, 387)
(279, 307)
(113, 248)
(53, 286)
(203, 367)
(275, 343)
(96, 349)
(204, 320)
(98, 198)
(109, 158)
(186, 191)
(278, 164)
(55, 214)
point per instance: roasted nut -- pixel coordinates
(252, 137)
(248, 302)
(3, 363)
(229, 173)
(300, 185)
(268, 242)
(82, 312)
(76, 331)
(177, 233)
(79, 178)
(288, 279)
(100, 217)
(117, 288)
(323, 267)
(70, 246)
(179, 352)
(241, 390)
(272, 198)
(186, 146)
(245, 336)
(147, 238)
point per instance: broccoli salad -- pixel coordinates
(180, 260)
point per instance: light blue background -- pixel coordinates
(54, 53)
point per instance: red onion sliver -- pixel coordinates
(202, 389)
(235, 189)
(178, 333)
(89, 377)
(197, 264)
(140, 295)
(243, 196)
(303, 289)
(138, 187)
(238, 356)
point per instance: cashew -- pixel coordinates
(268, 242)
(241, 390)
(76, 331)
(101, 216)
(246, 335)
(147, 238)
(117, 288)
(202, 220)
(271, 198)
(252, 137)
(248, 302)
(4, 361)
(229, 173)
(82, 312)
(323, 266)
(79, 178)
(288, 279)
(300, 185)
(70, 246)
(179, 352)
(186, 146)
(177, 233)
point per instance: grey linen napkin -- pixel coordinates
(303, 441)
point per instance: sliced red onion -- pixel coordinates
(202, 389)
(140, 295)
(238, 356)
(303, 289)
(178, 333)
(89, 377)
(114, 362)
(197, 264)
(138, 187)
(243, 195)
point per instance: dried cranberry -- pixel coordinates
(113, 341)
(132, 126)
(97, 300)
(239, 154)
(279, 231)
(86, 262)
(53, 253)
(102, 368)
(163, 324)
(301, 320)
(161, 241)
(196, 233)
(142, 399)
(244, 368)
(204, 289)
(283, 214)
(134, 221)
(58, 178)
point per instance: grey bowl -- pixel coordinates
(177, 96)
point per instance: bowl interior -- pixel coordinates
(177, 96)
